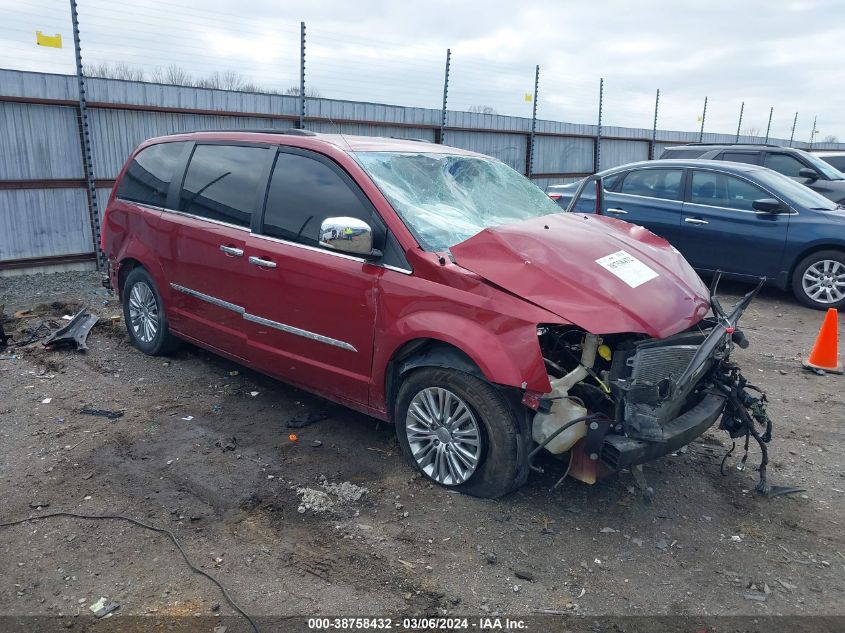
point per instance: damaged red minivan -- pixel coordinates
(430, 286)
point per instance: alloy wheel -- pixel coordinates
(143, 312)
(824, 281)
(444, 436)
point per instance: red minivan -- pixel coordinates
(426, 285)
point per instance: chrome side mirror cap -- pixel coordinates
(348, 235)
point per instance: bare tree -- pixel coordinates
(311, 93)
(751, 131)
(119, 70)
(830, 138)
(483, 109)
(177, 76)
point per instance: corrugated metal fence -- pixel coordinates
(44, 220)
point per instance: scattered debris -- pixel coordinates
(39, 504)
(331, 495)
(46, 401)
(74, 333)
(301, 420)
(491, 558)
(315, 500)
(104, 413)
(345, 491)
(607, 530)
(661, 544)
(736, 538)
(187, 418)
(103, 607)
(524, 574)
(316, 443)
(253, 393)
(292, 437)
(787, 585)
(229, 445)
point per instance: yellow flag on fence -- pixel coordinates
(529, 97)
(53, 41)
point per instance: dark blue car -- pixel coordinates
(744, 220)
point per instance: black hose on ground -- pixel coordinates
(170, 535)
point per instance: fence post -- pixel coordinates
(85, 140)
(813, 131)
(654, 129)
(301, 75)
(529, 164)
(769, 126)
(445, 96)
(703, 116)
(597, 165)
(739, 125)
(794, 123)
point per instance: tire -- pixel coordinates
(143, 312)
(822, 274)
(499, 462)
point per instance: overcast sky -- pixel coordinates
(786, 54)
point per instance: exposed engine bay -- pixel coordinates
(620, 400)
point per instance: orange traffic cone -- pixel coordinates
(825, 354)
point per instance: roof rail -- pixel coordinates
(731, 144)
(265, 130)
(406, 138)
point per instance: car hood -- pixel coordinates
(602, 274)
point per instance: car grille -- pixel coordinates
(653, 364)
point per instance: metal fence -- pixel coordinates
(49, 218)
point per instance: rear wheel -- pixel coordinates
(459, 432)
(819, 280)
(143, 312)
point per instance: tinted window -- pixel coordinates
(836, 161)
(223, 182)
(784, 163)
(682, 153)
(149, 174)
(742, 157)
(654, 183)
(720, 190)
(303, 193)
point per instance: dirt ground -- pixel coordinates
(203, 449)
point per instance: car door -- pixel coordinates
(650, 197)
(311, 311)
(722, 231)
(203, 235)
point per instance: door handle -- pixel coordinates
(231, 250)
(264, 263)
(618, 211)
(695, 221)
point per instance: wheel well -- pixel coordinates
(126, 266)
(815, 249)
(424, 352)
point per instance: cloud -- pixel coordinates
(763, 53)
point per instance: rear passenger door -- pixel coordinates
(651, 198)
(203, 234)
(310, 311)
(722, 231)
(751, 158)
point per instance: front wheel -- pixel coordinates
(819, 280)
(459, 432)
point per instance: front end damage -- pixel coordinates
(620, 400)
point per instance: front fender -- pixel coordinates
(505, 349)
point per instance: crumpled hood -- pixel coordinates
(602, 274)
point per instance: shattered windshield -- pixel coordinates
(445, 199)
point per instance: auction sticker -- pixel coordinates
(627, 267)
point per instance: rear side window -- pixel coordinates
(720, 190)
(654, 183)
(224, 183)
(304, 192)
(682, 153)
(784, 164)
(741, 157)
(150, 173)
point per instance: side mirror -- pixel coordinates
(348, 235)
(767, 205)
(809, 174)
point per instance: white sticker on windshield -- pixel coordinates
(627, 267)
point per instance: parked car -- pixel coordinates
(743, 220)
(832, 157)
(799, 165)
(426, 285)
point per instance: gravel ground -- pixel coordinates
(337, 523)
